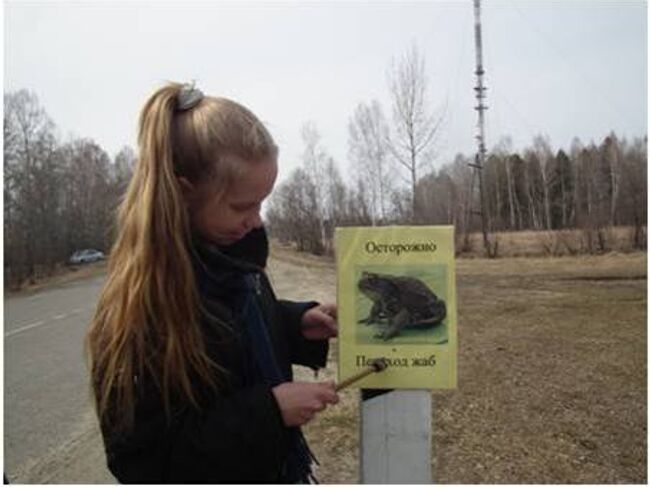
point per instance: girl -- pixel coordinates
(190, 351)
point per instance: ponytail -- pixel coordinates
(146, 326)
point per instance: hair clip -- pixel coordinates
(188, 97)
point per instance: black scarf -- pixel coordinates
(297, 467)
(246, 259)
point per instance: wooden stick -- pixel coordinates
(377, 365)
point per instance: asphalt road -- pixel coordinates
(50, 429)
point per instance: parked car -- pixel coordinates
(86, 255)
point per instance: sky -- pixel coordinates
(562, 69)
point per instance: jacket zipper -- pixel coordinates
(258, 285)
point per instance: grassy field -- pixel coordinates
(552, 374)
(554, 243)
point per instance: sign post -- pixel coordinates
(396, 438)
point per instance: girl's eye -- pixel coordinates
(246, 207)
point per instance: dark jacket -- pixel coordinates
(239, 436)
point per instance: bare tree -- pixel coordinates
(30, 184)
(122, 168)
(634, 190)
(513, 201)
(314, 162)
(561, 189)
(438, 197)
(517, 168)
(575, 156)
(88, 195)
(532, 184)
(357, 209)
(368, 150)
(414, 127)
(502, 162)
(291, 212)
(585, 187)
(494, 166)
(336, 196)
(462, 174)
(542, 148)
(612, 158)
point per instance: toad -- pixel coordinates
(399, 302)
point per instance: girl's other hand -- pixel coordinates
(300, 401)
(319, 322)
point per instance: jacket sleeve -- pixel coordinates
(310, 353)
(240, 436)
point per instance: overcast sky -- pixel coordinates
(559, 68)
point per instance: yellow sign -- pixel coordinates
(397, 300)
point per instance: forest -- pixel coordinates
(396, 179)
(589, 188)
(61, 195)
(58, 196)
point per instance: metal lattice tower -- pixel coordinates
(480, 137)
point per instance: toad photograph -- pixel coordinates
(401, 308)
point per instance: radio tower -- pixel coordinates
(480, 137)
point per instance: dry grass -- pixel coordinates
(63, 274)
(552, 375)
(554, 243)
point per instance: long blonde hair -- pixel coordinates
(146, 325)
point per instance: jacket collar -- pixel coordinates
(220, 263)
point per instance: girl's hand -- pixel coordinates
(300, 401)
(319, 322)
